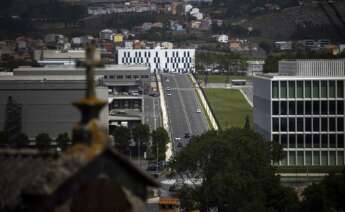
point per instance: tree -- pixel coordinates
(122, 137)
(160, 139)
(63, 140)
(328, 195)
(43, 140)
(21, 140)
(235, 172)
(141, 136)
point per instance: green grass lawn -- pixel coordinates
(222, 78)
(229, 106)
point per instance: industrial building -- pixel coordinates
(159, 59)
(46, 93)
(302, 108)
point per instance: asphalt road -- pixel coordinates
(152, 115)
(182, 107)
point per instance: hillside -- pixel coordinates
(300, 22)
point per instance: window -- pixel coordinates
(331, 89)
(300, 141)
(316, 141)
(283, 141)
(308, 141)
(128, 76)
(331, 124)
(332, 158)
(308, 124)
(332, 141)
(316, 87)
(324, 107)
(283, 89)
(300, 124)
(135, 76)
(299, 89)
(316, 158)
(300, 107)
(292, 158)
(324, 89)
(324, 158)
(300, 158)
(283, 108)
(119, 76)
(324, 141)
(316, 107)
(340, 107)
(332, 107)
(340, 124)
(292, 125)
(307, 89)
(292, 141)
(307, 109)
(341, 141)
(340, 89)
(340, 158)
(292, 108)
(291, 89)
(308, 158)
(316, 124)
(324, 124)
(283, 124)
(275, 108)
(275, 122)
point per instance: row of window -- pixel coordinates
(310, 140)
(148, 54)
(315, 124)
(126, 76)
(316, 158)
(140, 60)
(308, 107)
(308, 89)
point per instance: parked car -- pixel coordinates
(198, 110)
(186, 135)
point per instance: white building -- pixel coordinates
(302, 108)
(161, 60)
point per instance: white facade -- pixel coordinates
(305, 114)
(160, 60)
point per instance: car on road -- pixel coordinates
(167, 80)
(179, 145)
(168, 89)
(186, 135)
(198, 110)
(177, 139)
(154, 94)
(169, 94)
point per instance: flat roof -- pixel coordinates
(276, 76)
(40, 77)
(74, 68)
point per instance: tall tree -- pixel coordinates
(122, 137)
(43, 140)
(234, 170)
(160, 139)
(141, 136)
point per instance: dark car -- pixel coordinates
(186, 135)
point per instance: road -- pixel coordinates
(152, 115)
(182, 107)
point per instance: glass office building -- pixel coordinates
(305, 114)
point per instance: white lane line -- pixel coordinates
(183, 107)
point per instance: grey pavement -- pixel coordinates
(182, 107)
